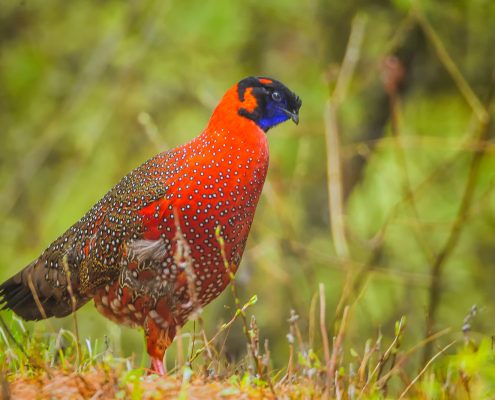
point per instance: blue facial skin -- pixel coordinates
(273, 114)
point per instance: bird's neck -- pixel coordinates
(238, 133)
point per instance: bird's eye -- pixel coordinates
(276, 96)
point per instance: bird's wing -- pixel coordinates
(89, 254)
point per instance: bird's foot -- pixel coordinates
(157, 367)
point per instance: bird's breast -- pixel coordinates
(215, 188)
(220, 187)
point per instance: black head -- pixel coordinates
(273, 102)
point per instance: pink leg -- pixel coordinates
(157, 366)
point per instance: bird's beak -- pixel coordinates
(293, 115)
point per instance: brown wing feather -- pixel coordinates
(90, 251)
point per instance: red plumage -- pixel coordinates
(147, 253)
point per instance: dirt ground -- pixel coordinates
(102, 385)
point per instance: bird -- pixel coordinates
(165, 240)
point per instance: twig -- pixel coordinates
(151, 131)
(334, 172)
(393, 75)
(479, 109)
(312, 320)
(324, 335)
(351, 58)
(290, 363)
(294, 333)
(180, 349)
(400, 327)
(241, 310)
(466, 324)
(362, 371)
(36, 298)
(391, 352)
(383, 359)
(183, 260)
(337, 344)
(397, 364)
(294, 317)
(222, 329)
(403, 358)
(378, 240)
(73, 301)
(455, 232)
(425, 368)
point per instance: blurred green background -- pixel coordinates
(91, 89)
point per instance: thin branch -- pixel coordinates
(73, 301)
(413, 382)
(230, 270)
(335, 181)
(351, 58)
(378, 239)
(324, 334)
(393, 74)
(337, 344)
(479, 109)
(457, 226)
(36, 298)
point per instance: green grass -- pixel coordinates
(380, 368)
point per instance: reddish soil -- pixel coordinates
(105, 385)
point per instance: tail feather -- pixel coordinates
(20, 300)
(17, 295)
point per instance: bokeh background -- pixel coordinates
(396, 99)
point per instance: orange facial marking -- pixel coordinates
(265, 81)
(250, 102)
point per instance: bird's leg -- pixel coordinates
(158, 367)
(157, 341)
